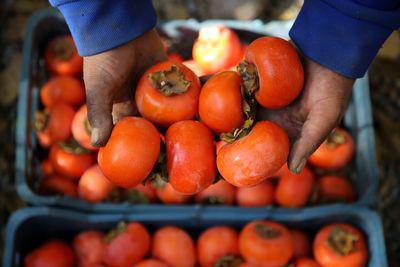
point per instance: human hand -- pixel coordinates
(317, 111)
(110, 78)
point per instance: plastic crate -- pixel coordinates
(47, 24)
(37, 225)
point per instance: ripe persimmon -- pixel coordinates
(174, 246)
(58, 184)
(273, 70)
(150, 263)
(89, 247)
(54, 253)
(62, 89)
(94, 186)
(221, 192)
(190, 156)
(255, 157)
(220, 103)
(81, 129)
(335, 152)
(339, 245)
(175, 57)
(301, 244)
(141, 194)
(333, 188)
(195, 67)
(168, 92)
(306, 262)
(262, 194)
(46, 167)
(130, 153)
(168, 195)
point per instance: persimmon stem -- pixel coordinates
(249, 74)
(72, 146)
(62, 50)
(40, 121)
(134, 196)
(341, 241)
(213, 200)
(229, 261)
(170, 82)
(121, 228)
(265, 231)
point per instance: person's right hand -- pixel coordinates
(110, 78)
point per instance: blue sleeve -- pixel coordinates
(345, 35)
(100, 25)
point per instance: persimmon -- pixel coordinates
(46, 167)
(89, 247)
(150, 263)
(294, 190)
(168, 92)
(69, 159)
(219, 145)
(195, 67)
(216, 48)
(335, 152)
(221, 192)
(340, 245)
(220, 103)
(54, 124)
(266, 244)
(174, 246)
(94, 186)
(175, 57)
(216, 245)
(272, 70)
(306, 262)
(333, 188)
(190, 156)
(62, 89)
(262, 194)
(62, 58)
(255, 157)
(126, 245)
(58, 184)
(130, 153)
(54, 253)
(141, 194)
(301, 244)
(81, 129)
(168, 195)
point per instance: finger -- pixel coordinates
(316, 128)
(123, 109)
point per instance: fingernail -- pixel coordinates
(299, 167)
(95, 136)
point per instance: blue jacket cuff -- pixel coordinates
(100, 25)
(342, 35)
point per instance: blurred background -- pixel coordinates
(384, 80)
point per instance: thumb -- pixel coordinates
(314, 131)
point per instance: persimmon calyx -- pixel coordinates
(40, 121)
(229, 261)
(238, 132)
(62, 50)
(169, 82)
(266, 231)
(87, 126)
(213, 200)
(248, 73)
(121, 228)
(72, 146)
(341, 241)
(134, 196)
(335, 139)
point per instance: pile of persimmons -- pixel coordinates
(189, 140)
(259, 244)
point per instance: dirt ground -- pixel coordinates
(384, 77)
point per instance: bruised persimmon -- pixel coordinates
(89, 248)
(150, 263)
(69, 159)
(127, 244)
(262, 194)
(54, 253)
(301, 244)
(190, 156)
(220, 103)
(273, 71)
(306, 262)
(130, 153)
(335, 152)
(340, 245)
(221, 192)
(333, 188)
(266, 243)
(294, 190)
(94, 186)
(254, 157)
(168, 92)
(54, 124)
(168, 195)
(62, 89)
(81, 129)
(216, 48)
(218, 245)
(174, 246)
(62, 57)
(58, 184)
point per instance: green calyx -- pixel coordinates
(121, 228)
(341, 241)
(170, 82)
(229, 261)
(72, 146)
(266, 231)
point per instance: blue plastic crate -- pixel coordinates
(37, 225)
(44, 25)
